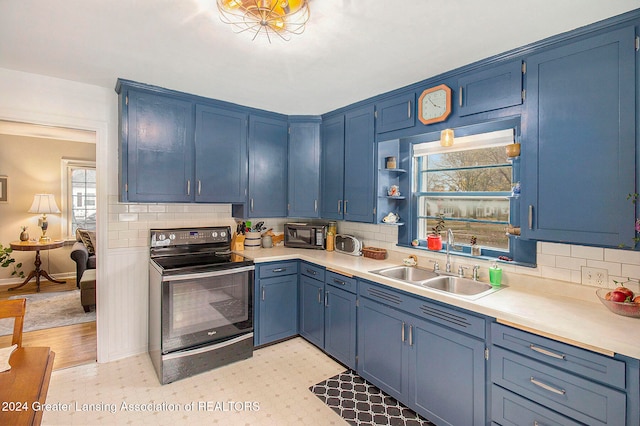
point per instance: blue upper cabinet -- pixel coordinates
(490, 89)
(156, 148)
(396, 113)
(304, 168)
(359, 178)
(221, 155)
(267, 167)
(332, 167)
(578, 147)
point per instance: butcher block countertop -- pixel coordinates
(563, 311)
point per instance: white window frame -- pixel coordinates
(67, 165)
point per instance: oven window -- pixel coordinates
(208, 304)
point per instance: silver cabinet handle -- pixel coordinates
(326, 299)
(546, 386)
(319, 295)
(402, 332)
(339, 206)
(345, 206)
(410, 335)
(546, 352)
(279, 270)
(251, 204)
(409, 109)
(311, 271)
(460, 96)
(199, 186)
(530, 216)
(189, 187)
(315, 205)
(262, 293)
(337, 281)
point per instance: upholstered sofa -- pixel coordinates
(84, 256)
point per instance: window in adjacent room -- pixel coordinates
(470, 182)
(79, 195)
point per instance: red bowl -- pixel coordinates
(620, 308)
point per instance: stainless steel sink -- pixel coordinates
(463, 287)
(459, 286)
(406, 273)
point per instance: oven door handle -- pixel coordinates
(198, 275)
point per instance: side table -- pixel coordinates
(37, 273)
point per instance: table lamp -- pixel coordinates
(44, 203)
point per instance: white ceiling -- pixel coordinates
(351, 50)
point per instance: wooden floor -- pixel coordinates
(73, 344)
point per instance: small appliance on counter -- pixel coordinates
(348, 244)
(304, 235)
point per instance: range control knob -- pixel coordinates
(161, 237)
(223, 234)
(214, 234)
(172, 236)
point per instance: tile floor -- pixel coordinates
(272, 388)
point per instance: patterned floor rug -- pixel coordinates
(361, 403)
(48, 310)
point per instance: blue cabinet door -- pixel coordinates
(158, 147)
(267, 167)
(332, 166)
(578, 147)
(445, 363)
(382, 359)
(396, 113)
(221, 155)
(278, 310)
(304, 169)
(340, 325)
(494, 88)
(359, 165)
(312, 310)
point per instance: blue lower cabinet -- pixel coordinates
(435, 370)
(328, 313)
(312, 310)
(382, 353)
(340, 325)
(276, 306)
(442, 364)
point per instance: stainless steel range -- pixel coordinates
(200, 302)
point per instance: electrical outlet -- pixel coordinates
(595, 276)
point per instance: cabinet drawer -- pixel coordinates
(340, 281)
(458, 320)
(570, 358)
(311, 270)
(580, 399)
(278, 269)
(509, 409)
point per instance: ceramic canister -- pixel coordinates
(252, 240)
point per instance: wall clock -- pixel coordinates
(434, 104)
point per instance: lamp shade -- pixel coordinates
(44, 203)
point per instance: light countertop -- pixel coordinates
(563, 311)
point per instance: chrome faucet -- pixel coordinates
(450, 243)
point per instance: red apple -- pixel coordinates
(618, 296)
(625, 290)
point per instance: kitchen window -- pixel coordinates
(470, 183)
(79, 196)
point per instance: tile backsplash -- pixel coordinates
(129, 225)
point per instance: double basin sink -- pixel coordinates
(440, 281)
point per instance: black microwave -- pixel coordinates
(302, 235)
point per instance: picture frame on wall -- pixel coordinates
(4, 198)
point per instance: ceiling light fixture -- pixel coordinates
(446, 137)
(265, 17)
